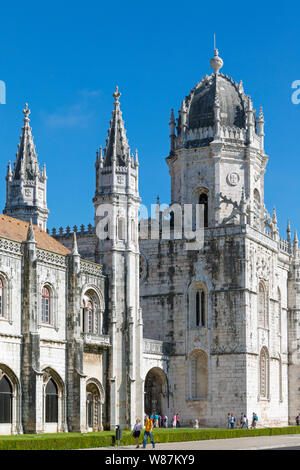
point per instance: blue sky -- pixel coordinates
(65, 59)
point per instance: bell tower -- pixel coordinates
(26, 184)
(217, 153)
(116, 219)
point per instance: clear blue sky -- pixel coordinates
(65, 59)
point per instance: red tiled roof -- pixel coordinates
(15, 229)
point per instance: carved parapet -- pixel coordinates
(96, 341)
(88, 267)
(152, 346)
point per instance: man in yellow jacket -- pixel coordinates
(148, 432)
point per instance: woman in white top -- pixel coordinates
(137, 431)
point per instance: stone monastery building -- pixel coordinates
(222, 322)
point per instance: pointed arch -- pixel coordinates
(198, 375)
(10, 401)
(54, 401)
(262, 305)
(264, 373)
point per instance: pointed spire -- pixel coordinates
(30, 232)
(157, 209)
(172, 125)
(261, 124)
(74, 245)
(288, 232)
(9, 172)
(183, 115)
(116, 148)
(30, 198)
(26, 165)
(274, 217)
(136, 161)
(296, 239)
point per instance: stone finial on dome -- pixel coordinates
(216, 62)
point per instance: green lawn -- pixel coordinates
(66, 441)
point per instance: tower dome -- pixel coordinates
(201, 101)
(216, 108)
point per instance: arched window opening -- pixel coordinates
(6, 397)
(45, 305)
(262, 307)
(203, 199)
(200, 308)
(51, 402)
(1, 298)
(199, 375)
(91, 315)
(264, 373)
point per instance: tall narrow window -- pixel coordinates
(262, 307)
(5, 400)
(45, 307)
(90, 312)
(264, 373)
(197, 308)
(202, 308)
(1, 298)
(203, 199)
(51, 402)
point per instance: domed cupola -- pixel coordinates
(216, 107)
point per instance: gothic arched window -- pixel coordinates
(51, 402)
(91, 315)
(45, 305)
(264, 373)
(262, 307)
(200, 308)
(198, 375)
(6, 396)
(203, 200)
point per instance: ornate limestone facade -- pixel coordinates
(95, 330)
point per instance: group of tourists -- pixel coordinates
(243, 422)
(155, 420)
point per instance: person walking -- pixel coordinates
(174, 421)
(244, 422)
(298, 419)
(177, 421)
(148, 432)
(254, 420)
(232, 421)
(228, 421)
(137, 431)
(166, 421)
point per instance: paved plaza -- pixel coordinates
(243, 443)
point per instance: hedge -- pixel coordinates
(66, 441)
